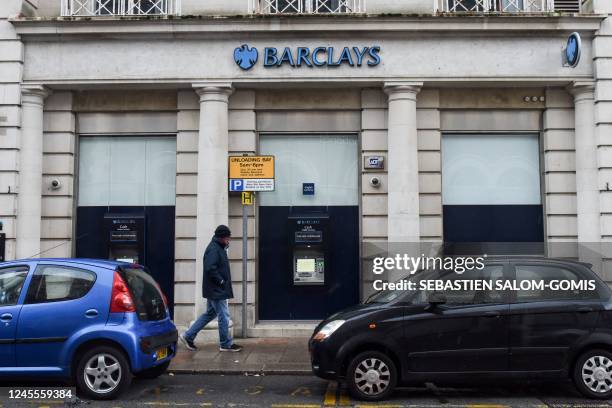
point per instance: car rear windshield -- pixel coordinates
(147, 297)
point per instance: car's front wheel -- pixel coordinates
(593, 374)
(103, 373)
(371, 376)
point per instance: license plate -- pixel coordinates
(162, 353)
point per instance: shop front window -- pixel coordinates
(491, 192)
(128, 171)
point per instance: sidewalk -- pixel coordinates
(259, 356)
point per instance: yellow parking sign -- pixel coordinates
(247, 198)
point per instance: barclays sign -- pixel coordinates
(246, 57)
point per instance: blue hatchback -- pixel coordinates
(96, 322)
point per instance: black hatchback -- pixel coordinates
(540, 319)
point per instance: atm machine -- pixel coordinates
(309, 244)
(125, 235)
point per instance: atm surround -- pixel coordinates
(309, 243)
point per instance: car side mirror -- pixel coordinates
(436, 298)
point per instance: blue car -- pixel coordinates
(96, 322)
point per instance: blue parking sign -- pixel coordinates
(236, 185)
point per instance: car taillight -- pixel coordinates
(121, 299)
(163, 294)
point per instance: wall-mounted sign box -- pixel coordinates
(308, 188)
(374, 162)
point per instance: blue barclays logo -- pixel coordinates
(246, 57)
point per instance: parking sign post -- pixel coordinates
(248, 174)
(247, 200)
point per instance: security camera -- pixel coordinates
(375, 182)
(55, 184)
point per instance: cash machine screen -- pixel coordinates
(309, 270)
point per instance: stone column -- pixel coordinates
(403, 168)
(212, 200)
(29, 199)
(587, 189)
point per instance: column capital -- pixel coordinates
(582, 90)
(34, 93)
(213, 91)
(402, 90)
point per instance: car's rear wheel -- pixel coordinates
(154, 372)
(593, 374)
(103, 373)
(371, 376)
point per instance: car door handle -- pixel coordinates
(492, 313)
(91, 313)
(7, 317)
(584, 309)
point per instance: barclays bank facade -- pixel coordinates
(446, 121)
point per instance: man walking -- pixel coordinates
(217, 289)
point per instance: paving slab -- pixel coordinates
(259, 356)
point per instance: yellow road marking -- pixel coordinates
(379, 406)
(200, 391)
(257, 389)
(344, 399)
(295, 406)
(303, 391)
(176, 404)
(330, 394)
(487, 406)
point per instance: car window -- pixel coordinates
(551, 282)
(54, 283)
(470, 293)
(147, 297)
(11, 283)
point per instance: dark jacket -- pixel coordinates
(217, 281)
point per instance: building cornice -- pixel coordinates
(185, 27)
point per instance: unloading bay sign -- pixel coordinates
(251, 173)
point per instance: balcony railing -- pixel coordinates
(73, 8)
(507, 6)
(307, 6)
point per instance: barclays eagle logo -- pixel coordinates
(245, 56)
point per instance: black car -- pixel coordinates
(515, 329)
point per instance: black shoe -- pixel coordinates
(234, 348)
(187, 343)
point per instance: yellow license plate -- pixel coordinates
(162, 353)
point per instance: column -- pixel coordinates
(587, 189)
(29, 199)
(403, 167)
(212, 199)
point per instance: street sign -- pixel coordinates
(247, 198)
(251, 173)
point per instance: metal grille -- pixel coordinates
(507, 6)
(120, 7)
(307, 6)
(570, 6)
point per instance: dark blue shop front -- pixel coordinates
(309, 228)
(126, 203)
